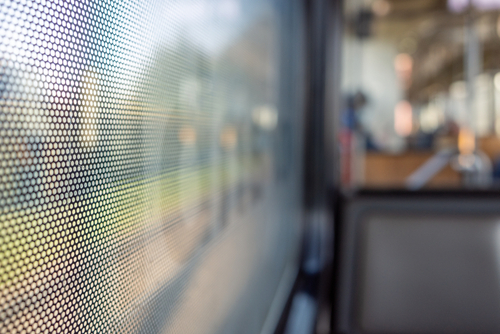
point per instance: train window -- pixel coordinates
(421, 94)
(150, 182)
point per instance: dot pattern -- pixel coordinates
(128, 150)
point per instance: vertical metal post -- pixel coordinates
(475, 166)
(315, 157)
(472, 67)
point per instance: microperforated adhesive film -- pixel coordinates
(150, 162)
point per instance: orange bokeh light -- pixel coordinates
(403, 118)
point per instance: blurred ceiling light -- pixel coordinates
(403, 119)
(187, 135)
(461, 5)
(496, 81)
(266, 117)
(430, 118)
(381, 7)
(403, 63)
(458, 90)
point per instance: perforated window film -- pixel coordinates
(149, 164)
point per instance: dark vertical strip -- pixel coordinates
(315, 118)
(333, 98)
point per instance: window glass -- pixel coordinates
(150, 181)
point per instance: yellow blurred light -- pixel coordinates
(403, 119)
(187, 135)
(496, 81)
(266, 117)
(466, 141)
(430, 118)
